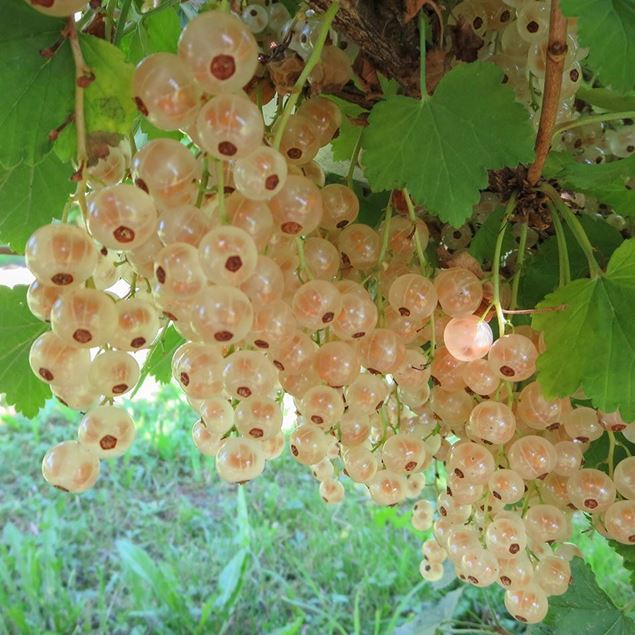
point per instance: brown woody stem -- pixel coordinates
(556, 53)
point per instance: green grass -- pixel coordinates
(160, 545)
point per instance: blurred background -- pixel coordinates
(161, 545)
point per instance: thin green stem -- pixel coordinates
(496, 263)
(310, 64)
(354, 157)
(611, 454)
(583, 121)
(110, 19)
(121, 22)
(302, 267)
(422, 56)
(203, 185)
(575, 227)
(224, 6)
(563, 252)
(423, 263)
(220, 190)
(522, 245)
(385, 238)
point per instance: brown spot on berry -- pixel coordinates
(294, 450)
(358, 334)
(261, 344)
(170, 316)
(103, 251)
(46, 374)
(507, 371)
(141, 184)
(403, 311)
(410, 466)
(582, 439)
(574, 74)
(520, 618)
(271, 182)
(472, 579)
(124, 234)
(291, 227)
(160, 274)
(317, 419)
(342, 224)
(514, 548)
(553, 426)
(257, 433)
(591, 503)
(477, 23)
(533, 26)
(294, 153)
(62, 279)
(233, 263)
(379, 405)
(505, 580)
(496, 495)
(62, 489)
(631, 538)
(83, 336)
(141, 107)
(108, 442)
(223, 336)
(227, 148)
(243, 391)
(278, 365)
(223, 67)
(137, 342)
(459, 473)
(328, 317)
(119, 389)
(505, 15)
(443, 511)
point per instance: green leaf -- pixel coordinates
(433, 617)
(628, 556)
(108, 101)
(483, 244)
(18, 329)
(607, 28)
(152, 132)
(585, 609)
(606, 99)
(596, 455)
(159, 362)
(441, 148)
(344, 144)
(372, 205)
(156, 33)
(31, 196)
(541, 273)
(37, 92)
(591, 343)
(606, 181)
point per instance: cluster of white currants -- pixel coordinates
(261, 267)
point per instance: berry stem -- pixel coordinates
(575, 227)
(109, 22)
(354, 157)
(583, 121)
(422, 56)
(611, 454)
(418, 246)
(496, 263)
(563, 253)
(121, 22)
(310, 64)
(522, 244)
(385, 237)
(302, 266)
(81, 72)
(556, 53)
(202, 185)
